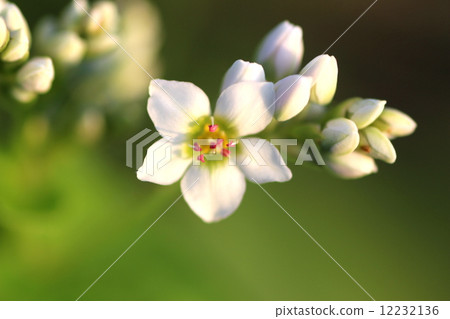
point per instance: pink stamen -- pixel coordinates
(231, 144)
(197, 147)
(201, 158)
(225, 152)
(219, 142)
(213, 128)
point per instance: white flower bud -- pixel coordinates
(340, 136)
(243, 71)
(37, 75)
(394, 123)
(66, 48)
(365, 111)
(324, 72)
(292, 95)
(18, 46)
(22, 95)
(282, 50)
(99, 44)
(14, 18)
(377, 145)
(4, 34)
(353, 165)
(104, 14)
(74, 16)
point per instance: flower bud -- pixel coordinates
(394, 123)
(14, 18)
(243, 71)
(281, 51)
(22, 95)
(4, 34)
(324, 72)
(292, 95)
(66, 48)
(17, 48)
(74, 15)
(353, 165)
(99, 44)
(104, 14)
(37, 75)
(365, 111)
(377, 145)
(340, 136)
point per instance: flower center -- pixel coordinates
(211, 142)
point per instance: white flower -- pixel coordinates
(243, 71)
(365, 111)
(37, 75)
(212, 188)
(17, 48)
(324, 72)
(282, 50)
(4, 34)
(377, 145)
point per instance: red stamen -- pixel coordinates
(213, 128)
(225, 152)
(201, 158)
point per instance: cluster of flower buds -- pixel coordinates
(25, 78)
(351, 134)
(82, 30)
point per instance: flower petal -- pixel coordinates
(248, 106)
(353, 165)
(242, 71)
(163, 164)
(175, 106)
(292, 94)
(262, 162)
(213, 193)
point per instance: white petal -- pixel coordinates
(248, 106)
(340, 136)
(289, 55)
(242, 71)
(353, 165)
(163, 164)
(273, 40)
(292, 95)
(175, 106)
(324, 71)
(213, 193)
(262, 162)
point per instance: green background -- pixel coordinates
(67, 212)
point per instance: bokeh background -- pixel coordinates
(69, 210)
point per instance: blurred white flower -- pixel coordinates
(281, 51)
(395, 123)
(37, 75)
(213, 187)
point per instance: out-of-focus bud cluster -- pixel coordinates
(83, 30)
(87, 43)
(24, 78)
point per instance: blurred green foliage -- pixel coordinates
(67, 210)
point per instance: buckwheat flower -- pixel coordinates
(37, 75)
(394, 123)
(281, 51)
(73, 16)
(104, 14)
(340, 136)
(292, 95)
(243, 71)
(324, 73)
(377, 145)
(365, 111)
(212, 185)
(17, 48)
(353, 165)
